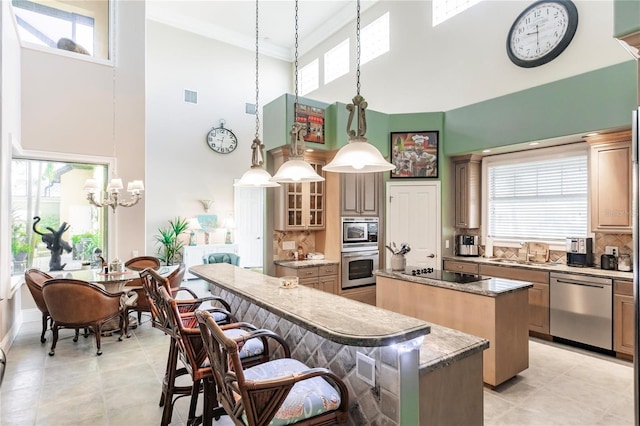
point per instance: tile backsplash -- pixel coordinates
(304, 241)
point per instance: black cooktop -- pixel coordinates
(447, 276)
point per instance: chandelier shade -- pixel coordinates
(111, 197)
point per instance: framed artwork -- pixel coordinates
(313, 118)
(415, 154)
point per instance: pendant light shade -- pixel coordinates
(256, 176)
(358, 156)
(295, 169)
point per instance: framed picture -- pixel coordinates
(313, 118)
(415, 154)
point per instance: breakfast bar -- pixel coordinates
(412, 368)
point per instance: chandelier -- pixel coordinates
(111, 196)
(358, 156)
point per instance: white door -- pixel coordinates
(413, 217)
(249, 221)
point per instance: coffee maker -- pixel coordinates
(579, 251)
(467, 245)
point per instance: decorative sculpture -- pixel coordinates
(55, 244)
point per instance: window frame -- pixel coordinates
(529, 155)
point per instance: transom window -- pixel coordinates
(309, 77)
(445, 9)
(336, 62)
(374, 39)
(541, 195)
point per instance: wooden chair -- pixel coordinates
(140, 263)
(35, 279)
(76, 304)
(278, 391)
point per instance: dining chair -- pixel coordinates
(140, 263)
(76, 303)
(276, 392)
(35, 278)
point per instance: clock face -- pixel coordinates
(541, 32)
(222, 140)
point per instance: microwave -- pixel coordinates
(359, 233)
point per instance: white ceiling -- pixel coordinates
(233, 21)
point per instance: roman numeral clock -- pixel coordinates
(542, 32)
(222, 140)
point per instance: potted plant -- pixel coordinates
(170, 242)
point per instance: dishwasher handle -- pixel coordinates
(583, 284)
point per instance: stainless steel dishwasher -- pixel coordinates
(581, 309)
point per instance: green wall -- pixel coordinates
(596, 100)
(626, 17)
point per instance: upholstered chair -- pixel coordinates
(282, 391)
(75, 304)
(231, 258)
(35, 279)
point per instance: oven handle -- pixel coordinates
(581, 284)
(360, 254)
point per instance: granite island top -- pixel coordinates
(547, 267)
(335, 318)
(443, 346)
(492, 287)
(297, 264)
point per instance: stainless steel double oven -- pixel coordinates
(360, 253)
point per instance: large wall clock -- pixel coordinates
(541, 32)
(222, 140)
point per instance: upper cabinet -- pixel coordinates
(467, 190)
(299, 206)
(360, 194)
(610, 182)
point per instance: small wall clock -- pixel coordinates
(541, 32)
(222, 140)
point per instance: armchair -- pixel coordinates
(35, 279)
(231, 258)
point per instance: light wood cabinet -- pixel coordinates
(463, 267)
(298, 206)
(623, 314)
(360, 194)
(323, 277)
(610, 182)
(467, 191)
(538, 294)
(363, 294)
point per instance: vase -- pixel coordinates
(398, 262)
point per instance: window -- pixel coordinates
(52, 190)
(80, 26)
(374, 39)
(309, 77)
(445, 9)
(336, 62)
(541, 196)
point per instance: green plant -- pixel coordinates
(85, 243)
(19, 244)
(170, 241)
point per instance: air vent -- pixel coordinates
(366, 368)
(250, 108)
(190, 96)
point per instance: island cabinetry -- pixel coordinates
(323, 278)
(360, 194)
(298, 206)
(462, 267)
(610, 182)
(467, 185)
(361, 294)
(623, 313)
(538, 294)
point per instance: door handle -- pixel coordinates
(431, 256)
(257, 238)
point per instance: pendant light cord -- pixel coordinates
(298, 131)
(358, 48)
(257, 77)
(295, 63)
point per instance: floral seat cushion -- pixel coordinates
(306, 399)
(250, 348)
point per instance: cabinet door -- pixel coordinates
(369, 188)
(349, 205)
(467, 186)
(462, 171)
(315, 212)
(539, 308)
(329, 284)
(623, 330)
(610, 177)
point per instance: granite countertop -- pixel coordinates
(492, 287)
(444, 346)
(335, 318)
(549, 267)
(297, 264)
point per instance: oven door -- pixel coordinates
(358, 267)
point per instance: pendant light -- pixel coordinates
(256, 176)
(295, 169)
(358, 156)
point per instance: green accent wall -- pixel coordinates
(626, 17)
(595, 100)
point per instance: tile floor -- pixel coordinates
(563, 385)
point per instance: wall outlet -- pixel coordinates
(446, 244)
(611, 249)
(288, 245)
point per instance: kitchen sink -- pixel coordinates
(523, 262)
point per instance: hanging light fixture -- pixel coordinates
(358, 156)
(295, 169)
(256, 176)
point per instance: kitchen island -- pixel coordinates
(493, 308)
(416, 374)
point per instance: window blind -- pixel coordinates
(538, 199)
